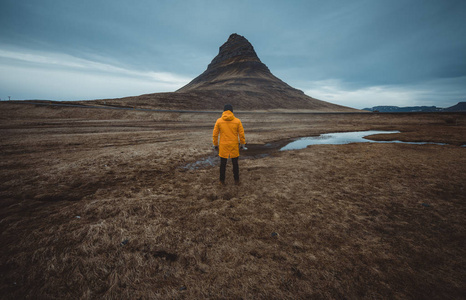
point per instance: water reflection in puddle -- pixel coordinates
(340, 138)
(208, 161)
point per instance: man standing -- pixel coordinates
(230, 128)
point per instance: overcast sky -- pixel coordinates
(358, 53)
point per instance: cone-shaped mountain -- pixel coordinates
(238, 72)
(238, 77)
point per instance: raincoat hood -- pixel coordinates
(228, 116)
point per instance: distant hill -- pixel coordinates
(461, 106)
(403, 109)
(235, 76)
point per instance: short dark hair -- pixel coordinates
(228, 107)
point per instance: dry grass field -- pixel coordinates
(98, 203)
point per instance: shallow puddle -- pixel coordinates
(208, 161)
(341, 138)
(338, 138)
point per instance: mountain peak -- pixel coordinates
(236, 49)
(236, 61)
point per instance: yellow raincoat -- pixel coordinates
(229, 128)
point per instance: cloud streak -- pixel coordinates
(38, 72)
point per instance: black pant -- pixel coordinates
(223, 166)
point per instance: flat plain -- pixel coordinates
(104, 203)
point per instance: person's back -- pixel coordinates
(230, 129)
